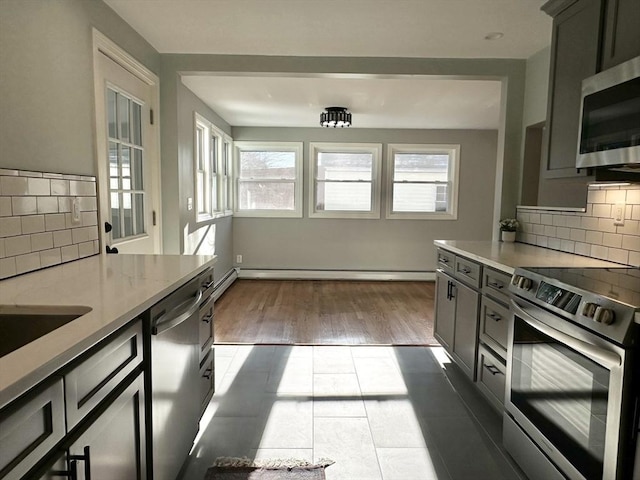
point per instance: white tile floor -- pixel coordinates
(381, 413)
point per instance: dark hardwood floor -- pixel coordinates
(321, 312)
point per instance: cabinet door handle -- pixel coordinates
(83, 458)
(493, 370)
(497, 285)
(494, 316)
(453, 288)
(207, 374)
(207, 318)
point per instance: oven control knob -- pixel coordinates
(589, 309)
(524, 283)
(604, 315)
(515, 280)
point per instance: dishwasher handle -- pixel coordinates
(176, 315)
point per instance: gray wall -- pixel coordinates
(46, 86)
(394, 245)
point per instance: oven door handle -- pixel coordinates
(605, 358)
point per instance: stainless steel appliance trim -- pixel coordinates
(603, 357)
(177, 315)
(601, 81)
(615, 405)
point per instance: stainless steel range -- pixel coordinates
(571, 407)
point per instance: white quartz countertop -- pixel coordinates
(117, 288)
(507, 256)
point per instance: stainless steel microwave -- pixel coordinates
(610, 118)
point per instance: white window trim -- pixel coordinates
(297, 148)
(210, 131)
(228, 179)
(375, 149)
(453, 178)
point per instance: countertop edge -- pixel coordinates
(12, 391)
(478, 258)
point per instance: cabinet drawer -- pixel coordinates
(491, 377)
(89, 382)
(207, 378)
(446, 260)
(494, 320)
(30, 431)
(468, 271)
(495, 284)
(206, 327)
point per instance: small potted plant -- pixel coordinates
(508, 227)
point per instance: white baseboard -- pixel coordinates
(224, 283)
(334, 275)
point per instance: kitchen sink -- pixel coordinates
(20, 325)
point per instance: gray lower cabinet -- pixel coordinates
(113, 446)
(457, 307)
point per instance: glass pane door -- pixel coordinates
(126, 166)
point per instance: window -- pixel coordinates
(211, 170)
(269, 179)
(423, 181)
(344, 180)
(226, 178)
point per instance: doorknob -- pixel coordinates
(107, 227)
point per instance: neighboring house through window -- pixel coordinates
(423, 181)
(344, 180)
(269, 179)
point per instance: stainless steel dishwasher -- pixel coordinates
(175, 379)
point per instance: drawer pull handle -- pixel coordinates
(497, 285)
(207, 318)
(466, 271)
(443, 260)
(494, 316)
(208, 285)
(207, 373)
(493, 370)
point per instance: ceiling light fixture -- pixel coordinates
(335, 117)
(493, 36)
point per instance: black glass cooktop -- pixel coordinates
(619, 284)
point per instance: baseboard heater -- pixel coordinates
(224, 283)
(334, 275)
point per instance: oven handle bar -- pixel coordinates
(607, 359)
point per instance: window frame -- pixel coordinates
(253, 146)
(375, 149)
(214, 142)
(453, 181)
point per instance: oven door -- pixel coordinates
(564, 389)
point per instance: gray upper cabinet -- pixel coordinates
(574, 56)
(621, 32)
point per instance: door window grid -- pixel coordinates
(269, 177)
(345, 180)
(422, 181)
(126, 154)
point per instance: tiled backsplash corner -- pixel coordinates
(591, 233)
(36, 225)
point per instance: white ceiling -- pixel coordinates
(354, 28)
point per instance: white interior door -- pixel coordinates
(128, 160)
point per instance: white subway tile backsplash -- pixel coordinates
(612, 240)
(62, 238)
(10, 186)
(19, 245)
(10, 226)
(8, 267)
(35, 220)
(32, 224)
(5, 207)
(39, 186)
(591, 233)
(24, 205)
(27, 263)
(602, 210)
